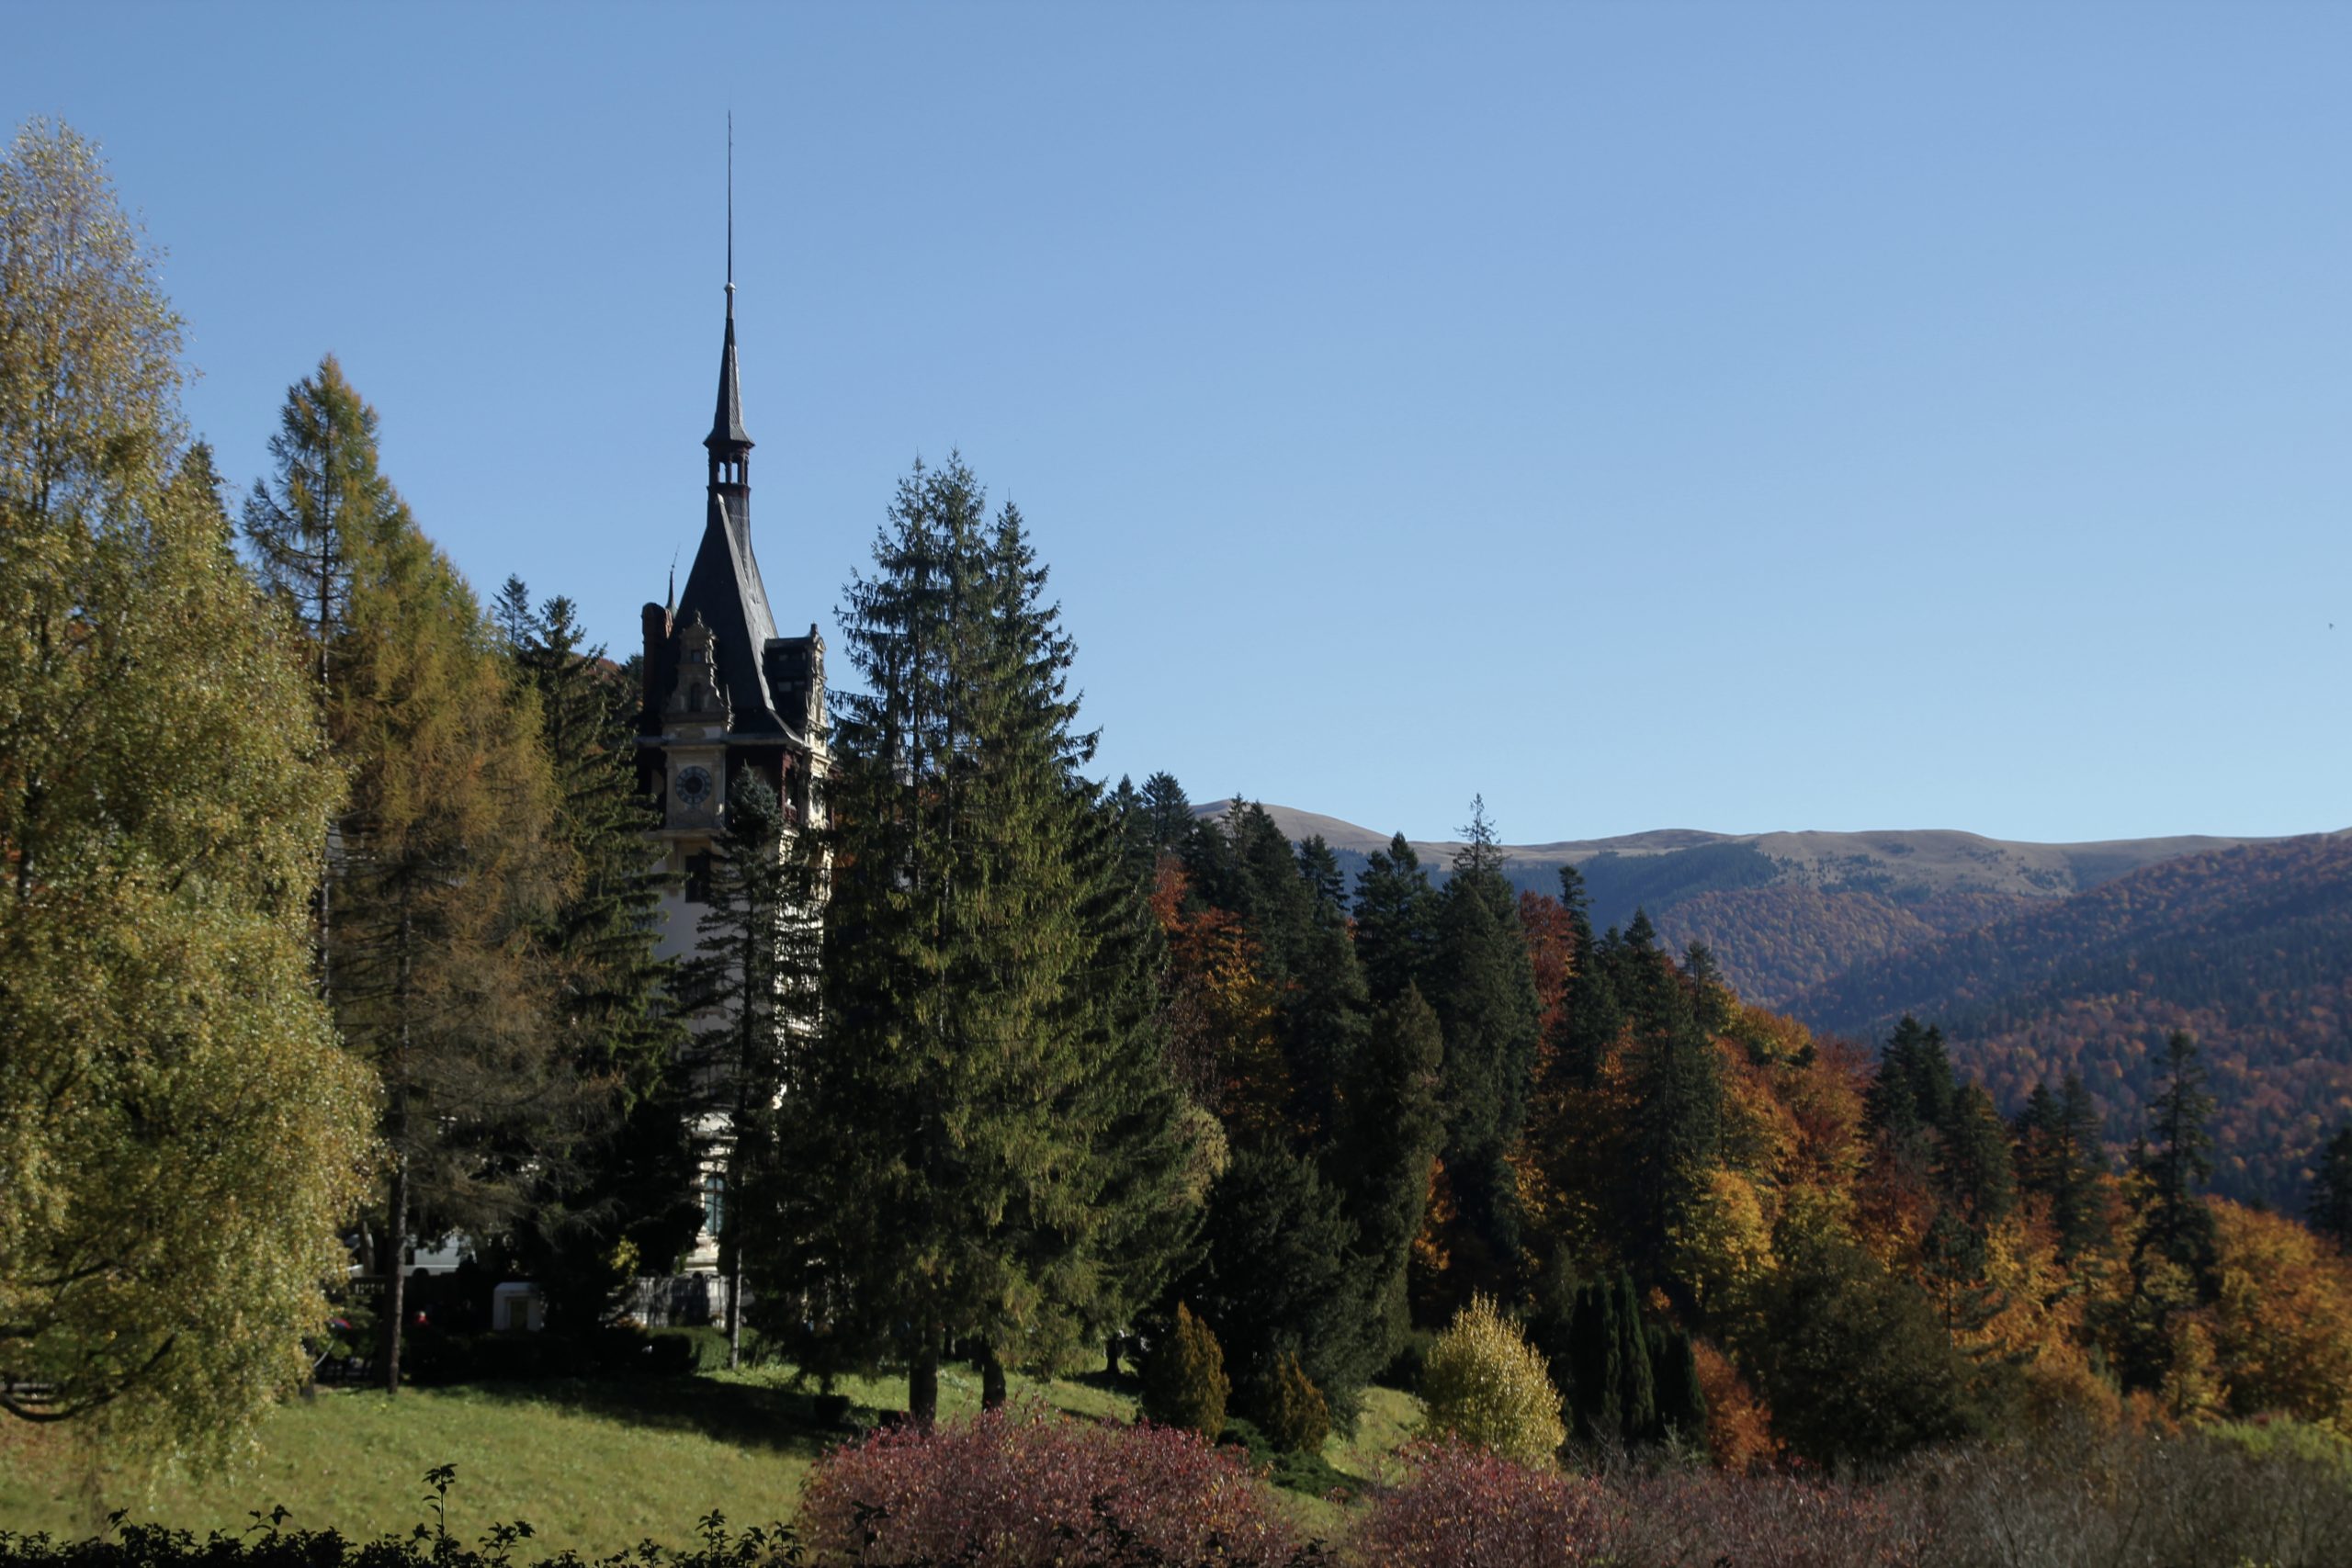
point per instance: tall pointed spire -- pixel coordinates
(728, 442)
(730, 215)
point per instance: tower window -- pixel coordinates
(698, 878)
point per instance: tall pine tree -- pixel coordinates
(969, 1137)
(1482, 986)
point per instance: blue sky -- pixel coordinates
(1740, 416)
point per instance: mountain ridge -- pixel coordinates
(2027, 866)
(1788, 910)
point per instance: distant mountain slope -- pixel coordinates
(1785, 911)
(2251, 947)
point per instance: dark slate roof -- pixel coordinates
(726, 419)
(724, 588)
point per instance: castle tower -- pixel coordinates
(722, 694)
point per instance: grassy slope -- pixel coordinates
(595, 1466)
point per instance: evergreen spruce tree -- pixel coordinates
(2060, 1160)
(1914, 1085)
(1320, 867)
(1323, 1022)
(1152, 1152)
(1589, 1016)
(1852, 1357)
(1649, 994)
(1168, 814)
(1395, 910)
(1677, 1129)
(1278, 1273)
(630, 1205)
(1979, 1174)
(1245, 865)
(944, 1174)
(1483, 989)
(2174, 1253)
(1302, 952)
(2078, 1204)
(742, 983)
(2177, 1162)
(1391, 1126)
(1711, 998)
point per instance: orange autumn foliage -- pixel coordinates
(2282, 1321)
(1739, 1426)
(1221, 1014)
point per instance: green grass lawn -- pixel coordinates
(591, 1466)
(595, 1465)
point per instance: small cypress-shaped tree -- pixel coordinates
(1289, 1408)
(1184, 1381)
(1636, 1388)
(1594, 1348)
(1682, 1399)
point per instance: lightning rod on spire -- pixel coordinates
(731, 212)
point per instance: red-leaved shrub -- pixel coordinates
(1027, 1488)
(1465, 1508)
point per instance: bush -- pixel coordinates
(1185, 1383)
(1485, 1386)
(1769, 1521)
(2205, 1496)
(1290, 1409)
(1465, 1508)
(1023, 1488)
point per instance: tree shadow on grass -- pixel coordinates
(746, 1415)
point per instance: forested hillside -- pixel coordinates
(1786, 911)
(2250, 948)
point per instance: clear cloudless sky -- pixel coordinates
(1733, 416)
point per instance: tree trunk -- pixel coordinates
(922, 1383)
(1111, 1354)
(991, 1379)
(396, 1276)
(735, 1309)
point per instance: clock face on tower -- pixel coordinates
(692, 785)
